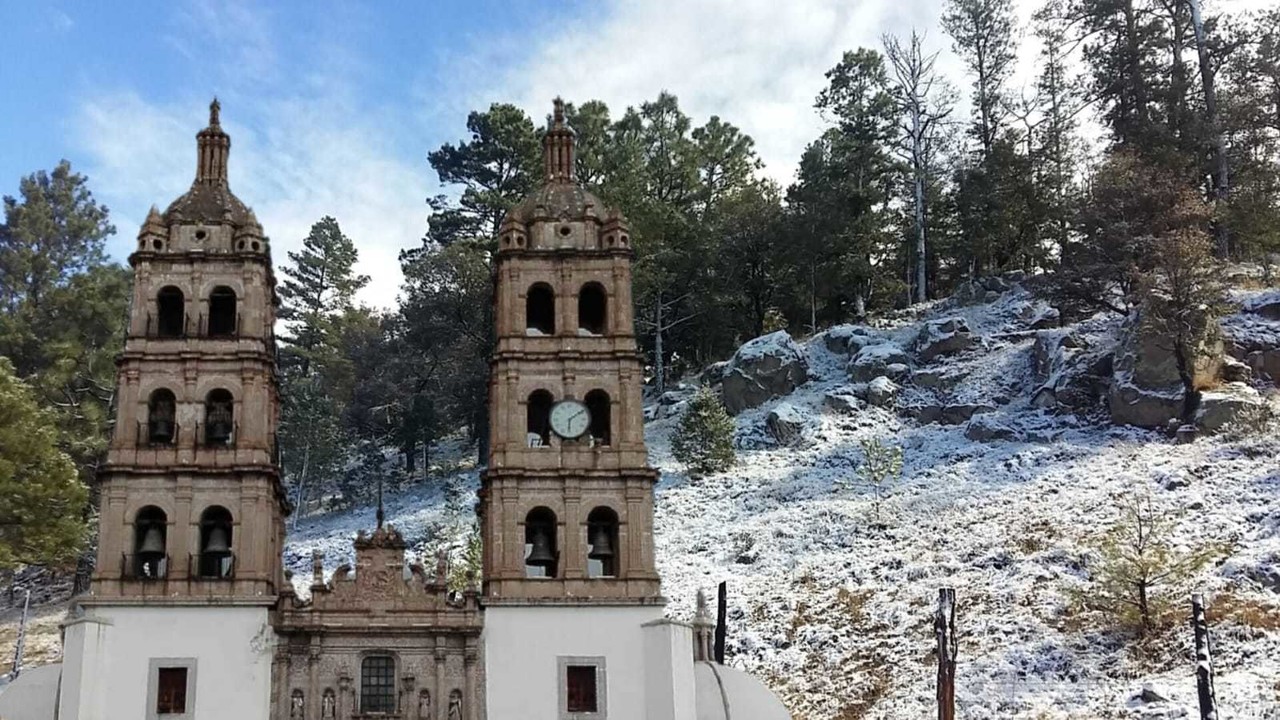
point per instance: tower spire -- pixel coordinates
(557, 147)
(212, 148)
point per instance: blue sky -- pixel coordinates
(333, 107)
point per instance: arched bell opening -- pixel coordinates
(541, 553)
(602, 540)
(540, 310)
(171, 313)
(219, 418)
(538, 418)
(600, 409)
(162, 425)
(216, 561)
(593, 306)
(150, 538)
(222, 312)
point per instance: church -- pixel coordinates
(191, 614)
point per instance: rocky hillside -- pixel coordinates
(1012, 470)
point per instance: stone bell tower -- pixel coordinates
(566, 503)
(191, 526)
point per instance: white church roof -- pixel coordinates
(727, 694)
(33, 695)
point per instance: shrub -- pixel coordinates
(704, 441)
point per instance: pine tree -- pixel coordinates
(319, 286)
(63, 305)
(1141, 575)
(704, 443)
(41, 518)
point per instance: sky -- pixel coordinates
(333, 106)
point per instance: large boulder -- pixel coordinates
(767, 367)
(1265, 363)
(986, 428)
(786, 423)
(882, 392)
(873, 361)
(944, 337)
(1146, 389)
(1267, 305)
(842, 403)
(849, 339)
(1230, 404)
(1074, 375)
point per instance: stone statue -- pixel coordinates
(328, 707)
(424, 705)
(455, 705)
(297, 706)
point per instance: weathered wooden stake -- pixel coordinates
(944, 631)
(22, 638)
(722, 614)
(1204, 660)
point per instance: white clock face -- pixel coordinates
(570, 419)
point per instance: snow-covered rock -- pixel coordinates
(1146, 389)
(986, 428)
(842, 403)
(849, 339)
(1266, 304)
(1231, 403)
(944, 337)
(882, 392)
(766, 367)
(786, 423)
(873, 361)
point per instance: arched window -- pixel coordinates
(222, 312)
(538, 425)
(377, 684)
(171, 312)
(161, 411)
(602, 535)
(219, 419)
(599, 407)
(593, 306)
(541, 555)
(150, 531)
(540, 310)
(216, 559)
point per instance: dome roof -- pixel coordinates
(557, 200)
(723, 693)
(210, 199)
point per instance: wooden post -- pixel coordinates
(722, 604)
(22, 638)
(1204, 660)
(944, 631)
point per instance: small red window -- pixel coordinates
(171, 695)
(581, 693)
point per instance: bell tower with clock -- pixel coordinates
(566, 503)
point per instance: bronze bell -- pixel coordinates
(218, 543)
(542, 554)
(161, 430)
(152, 544)
(601, 547)
(219, 431)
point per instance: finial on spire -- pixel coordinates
(557, 146)
(215, 108)
(212, 148)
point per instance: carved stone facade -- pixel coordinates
(192, 505)
(565, 331)
(386, 611)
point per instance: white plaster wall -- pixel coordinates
(107, 661)
(669, 671)
(522, 645)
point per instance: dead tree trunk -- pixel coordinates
(1204, 660)
(1221, 175)
(944, 631)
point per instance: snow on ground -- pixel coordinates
(831, 600)
(831, 592)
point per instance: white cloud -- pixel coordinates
(300, 150)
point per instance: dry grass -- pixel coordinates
(44, 639)
(1245, 611)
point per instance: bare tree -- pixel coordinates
(924, 101)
